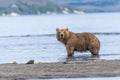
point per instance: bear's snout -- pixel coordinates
(61, 35)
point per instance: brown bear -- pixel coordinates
(78, 42)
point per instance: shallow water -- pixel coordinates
(24, 38)
(22, 49)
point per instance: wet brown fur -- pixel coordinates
(79, 42)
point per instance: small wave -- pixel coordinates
(114, 54)
(49, 35)
(41, 35)
(106, 33)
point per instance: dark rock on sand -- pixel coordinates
(30, 62)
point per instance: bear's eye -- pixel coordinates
(64, 32)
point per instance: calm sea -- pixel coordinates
(23, 38)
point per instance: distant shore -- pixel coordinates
(97, 68)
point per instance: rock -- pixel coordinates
(14, 62)
(30, 62)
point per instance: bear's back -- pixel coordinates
(88, 39)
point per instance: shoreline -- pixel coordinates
(83, 69)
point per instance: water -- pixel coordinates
(24, 38)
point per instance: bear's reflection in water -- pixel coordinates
(80, 58)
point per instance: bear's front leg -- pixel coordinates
(70, 53)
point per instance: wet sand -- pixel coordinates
(96, 68)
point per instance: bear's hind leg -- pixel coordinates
(95, 53)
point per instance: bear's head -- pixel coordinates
(62, 34)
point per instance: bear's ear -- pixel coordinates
(66, 29)
(57, 29)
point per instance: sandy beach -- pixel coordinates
(97, 68)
